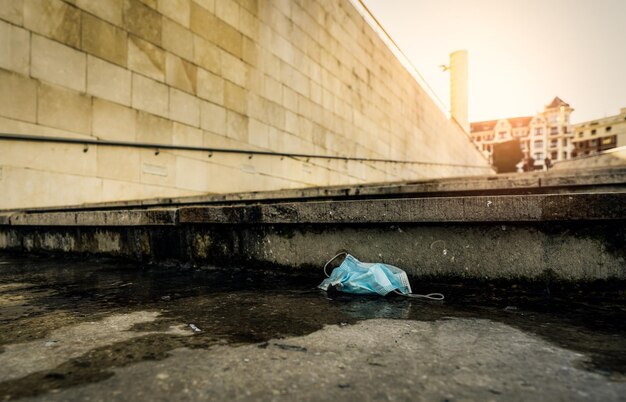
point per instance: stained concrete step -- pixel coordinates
(569, 237)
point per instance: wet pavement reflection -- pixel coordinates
(40, 295)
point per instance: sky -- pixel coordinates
(522, 53)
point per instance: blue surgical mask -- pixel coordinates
(354, 276)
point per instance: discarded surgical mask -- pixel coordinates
(354, 276)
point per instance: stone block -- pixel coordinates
(234, 69)
(57, 63)
(59, 158)
(142, 21)
(184, 108)
(235, 98)
(145, 58)
(258, 133)
(63, 108)
(216, 31)
(108, 81)
(228, 11)
(192, 174)
(177, 10)
(206, 4)
(54, 19)
(113, 122)
(104, 40)
(201, 20)
(207, 55)
(24, 188)
(250, 51)
(150, 96)
(180, 73)
(237, 126)
(183, 134)
(153, 129)
(109, 10)
(119, 163)
(12, 11)
(248, 23)
(210, 86)
(177, 39)
(14, 48)
(158, 169)
(212, 118)
(22, 127)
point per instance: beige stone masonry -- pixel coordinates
(210, 86)
(142, 20)
(180, 73)
(108, 81)
(153, 129)
(14, 48)
(146, 58)
(150, 96)
(112, 121)
(177, 39)
(228, 11)
(63, 108)
(207, 55)
(54, 19)
(235, 98)
(183, 134)
(58, 64)
(109, 10)
(237, 126)
(212, 118)
(177, 10)
(184, 107)
(18, 97)
(234, 69)
(110, 165)
(104, 40)
(12, 11)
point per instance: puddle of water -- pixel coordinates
(38, 296)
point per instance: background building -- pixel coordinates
(547, 134)
(592, 137)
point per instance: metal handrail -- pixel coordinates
(157, 147)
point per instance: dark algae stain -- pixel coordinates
(235, 307)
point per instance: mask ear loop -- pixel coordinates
(430, 296)
(331, 260)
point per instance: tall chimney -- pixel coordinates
(458, 88)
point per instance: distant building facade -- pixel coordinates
(548, 134)
(595, 136)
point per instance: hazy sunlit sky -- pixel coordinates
(522, 53)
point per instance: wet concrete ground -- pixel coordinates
(106, 330)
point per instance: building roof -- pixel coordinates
(515, 122)
(557, 102)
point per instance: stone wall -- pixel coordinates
(307, 76)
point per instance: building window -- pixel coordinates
(608, 140)
(502, 135)
(538, 144)
(594, 142)
(565, 155)
(554, 130)
(554, 143)
(580, 134)
(554, 155)
(593, 132)
(538, 156)
(607, 129)
(539, 131)
(564, 142)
